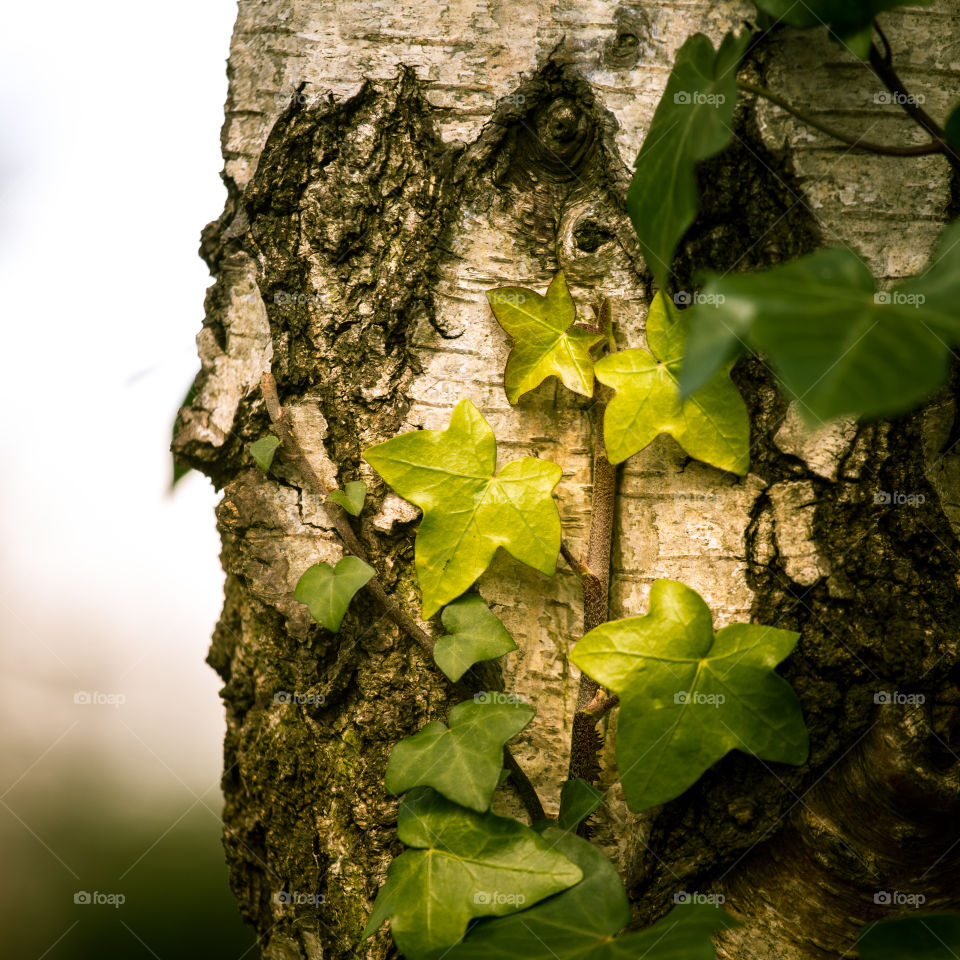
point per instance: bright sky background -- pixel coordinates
(110, 116)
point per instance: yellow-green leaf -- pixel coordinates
(711, 425)
(546, 342)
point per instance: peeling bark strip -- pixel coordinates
(386, 166)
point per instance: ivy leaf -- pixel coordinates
(838, 346)
(463, 865)
(467, 511)
(263, 450)
(689, 696)
(578, 799)
(475, 634)
(951, 129)
(711, 425)
(927, 936)
(546, 343)
(581, 923)
(462, 761)
(327, 590)
(352, 499)
(692, 122)
(845, 17)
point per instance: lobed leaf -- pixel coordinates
(926, 936)
(462, 761)
(578, 799)
(475, 634)
(546, 342)
(468, 512)
(711, 425)
(688, 696)
(263, 451)
(463, 865)
(352, 498)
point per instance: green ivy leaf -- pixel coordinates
(327, 590)
(689, 696)
(951, 129)
(843, 16)
(475, 634)
(353, 499)
(578, 799)
(546, 343)
(692, 122)
(263, 451)
(838, 346)
(712, 425)
(463, 865)
(581, 923)
(926, 936)
(464, 761)
(468, 513)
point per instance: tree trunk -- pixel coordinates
(386, 165)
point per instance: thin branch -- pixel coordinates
(577, 564)
(887, 52)
(916, 150)
(291, 448)
(601, 705)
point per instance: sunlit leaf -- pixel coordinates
(475, 634)
(546, 343)
(263, 451)
(712, 425)
(352, 498)
(689, 696)
(327, 590)
(468, 512)
(692, 122)
(837, 344)
(923, 936)
(462, 761)
(582, 923)
(463, 865)
(578, 799)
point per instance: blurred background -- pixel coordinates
(110, 585)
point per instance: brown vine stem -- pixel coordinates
(595, 581)
(937, 145)
(291, 448)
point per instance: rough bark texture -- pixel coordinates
(386, 165)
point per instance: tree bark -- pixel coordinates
(387, 164)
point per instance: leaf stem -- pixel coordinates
(291, 448)
(595, 581)
(937, 145)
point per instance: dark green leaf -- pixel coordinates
(929, 936)
(689, 696)
(578, 799)
(468, 513)
(951, 128)
(463, 865)
(838, 346)
(475, 635)
(692, 122)
(351, 500)
(327, 590)
(844, 16)
(712, 425)
(263, 451)
(581, 923)
(546, 343)
(464, 761)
